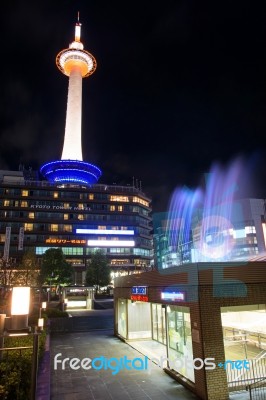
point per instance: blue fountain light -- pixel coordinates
(199, 227)
(71, 171)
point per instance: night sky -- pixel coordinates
(179, 85)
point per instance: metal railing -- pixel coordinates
(251, 382)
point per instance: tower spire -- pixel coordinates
(78, 30)
(76, 63)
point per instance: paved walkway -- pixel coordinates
(101, 384)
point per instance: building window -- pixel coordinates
(66, 206)
(250, 229)
(91, 196)
(81, 217)
(112, 208)
(72, 251)
(24, 193)
(56, 195)
(31, 215)
(119, 198)
(24, 204)
(141, 201)
(28, 227)
(81, 206)
(6, 203)
(120, 208)
(67, 228)
(66, 216)
(54, 227)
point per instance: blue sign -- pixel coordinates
(139, 290)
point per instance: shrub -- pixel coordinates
(15, 367)
(55, 313)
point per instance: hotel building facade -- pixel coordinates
(38, 215)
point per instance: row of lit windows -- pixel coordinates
(67, 206)
(51, 227)
(66, 250)
(94, 218)
(119, 262)
(35, 238)
(141, 201)
(55, 195)
(79, 251)
(81, 196)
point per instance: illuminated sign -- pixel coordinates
(139, 290)
(105, 231)
(139, 297)
(173, 296)
(63, 207)
(7, 243)
(111, 243)
(66, 241)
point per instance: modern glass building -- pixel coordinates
(215, 238)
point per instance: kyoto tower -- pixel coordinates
(76, 63)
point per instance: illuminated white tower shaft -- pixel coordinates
(72, 149)
(76, 63)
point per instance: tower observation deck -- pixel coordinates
(76, 63)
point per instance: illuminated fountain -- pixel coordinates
(183, 203)
(76, 63)
(200, 227)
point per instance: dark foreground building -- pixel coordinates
(204, 323)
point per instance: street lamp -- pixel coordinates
(20, 305)
(40, 319)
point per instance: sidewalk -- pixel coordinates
(94, 384)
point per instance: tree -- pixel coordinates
(28, 270)
(98, 272)
(55, 269)
(7, 272)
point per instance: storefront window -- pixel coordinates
(158, 323)
(122, 321)
(180, 352)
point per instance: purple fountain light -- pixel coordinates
(200, 224)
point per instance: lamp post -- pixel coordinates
(50, 288)
(19, 323)
(20, 305)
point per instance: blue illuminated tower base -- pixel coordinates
(71, 172)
